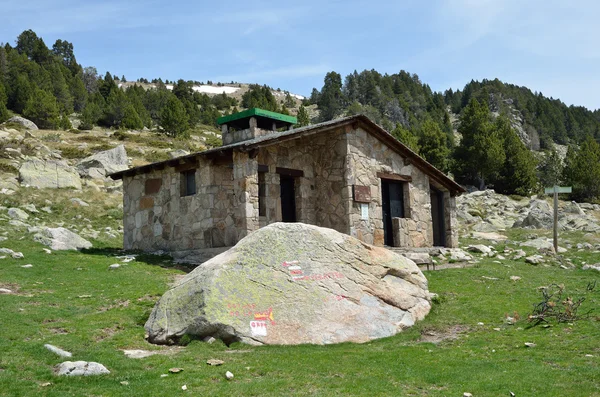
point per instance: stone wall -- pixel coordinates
(320, 191)
(157, 217)
(326, 166)
(369, 156)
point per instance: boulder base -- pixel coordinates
(291, 284)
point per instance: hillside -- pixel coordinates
(50, 88)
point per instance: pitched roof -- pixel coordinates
(296, 133)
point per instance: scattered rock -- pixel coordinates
(81, 368)
(77, 202)
(456, 254)
(30, 207)
(58, 351)
(209, 340)
(53, 174)
(496, 237)
(178, 153)
(256, 294)
(534, 259)
(184, 387)
(229, 375)
(420, 258)
(529, 344)
(175, 370)
(519, 254)
(114, 266)
(5, 291)
(465, 394)
(125, 383)
(18, 214)
(136, 353)
(591, 267)
(540, 243)
(479, 248)
(515, 278)
(30, 125)
(46, 250)
(104, 163)
(60, 239)
(18, 255)
(27, 266)
(214, 361)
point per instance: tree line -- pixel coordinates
(47, 85)
(490, 153)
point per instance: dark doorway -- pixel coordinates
(288, 198)
(392, 197)
(437, 218)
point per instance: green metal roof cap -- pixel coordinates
(256, 112)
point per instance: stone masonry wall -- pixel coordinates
(367, 157)
(320, 192)
(156, 217)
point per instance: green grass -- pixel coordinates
(482, 361)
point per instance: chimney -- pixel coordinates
(252, 123)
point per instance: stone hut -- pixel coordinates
(347, 174)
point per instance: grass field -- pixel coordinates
(72, 300)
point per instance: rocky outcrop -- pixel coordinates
(292, 283)
(60, 239)
(30, 125)
(487, 212)
(54, 174)
(104, 163)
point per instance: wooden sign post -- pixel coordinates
(555, 190)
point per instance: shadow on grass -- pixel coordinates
(164, 260)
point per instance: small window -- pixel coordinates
(188, 183)
(262, 195)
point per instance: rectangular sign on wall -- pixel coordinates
(362, 194)
(364, 212)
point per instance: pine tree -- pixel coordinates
(331, 98)
(432, 142)
(90, 116)
(64, 123)
(174, 119)
(480, 154)
(518, 173)
(303, 117)
(550, 169)
(582, 171)
(3, 99)
(42, 109)
(406, 137)
(131, 119)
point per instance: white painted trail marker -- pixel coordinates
(555, 190)
(258, 328)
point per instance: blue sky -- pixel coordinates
(548, 45)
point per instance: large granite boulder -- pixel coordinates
(290, 284)
(104, 163)
(53, 174)
(30, 125)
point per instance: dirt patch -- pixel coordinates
(114, 306)
(108, 332)
(58, 331)
(437, 336)
(14, 288)
(149, 298)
